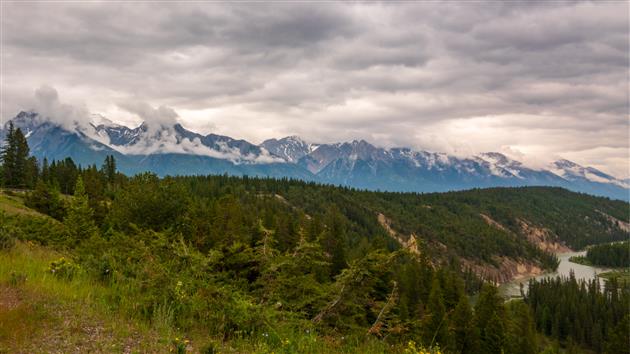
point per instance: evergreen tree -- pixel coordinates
(493, 335)
(109, 169)
(333, 240)
(489, 318)
(463, 330)
(79, 221)
(9, 155)
(435, 327)
(31, 172)
(21, 171)
(93, 182)
(45, 175)
(521, 332)
(47, 200)
(618, 342)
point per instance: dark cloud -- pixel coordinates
(461, 77)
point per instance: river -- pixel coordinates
(512, 289)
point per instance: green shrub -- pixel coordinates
(8, 235)
(64, 268)
(7, 241)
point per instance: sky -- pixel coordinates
(535, 80)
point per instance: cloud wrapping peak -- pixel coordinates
(47, 104)
(156, 118)
(543, 78)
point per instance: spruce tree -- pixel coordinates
(521, 332)
(31, 173)
(8, 155)
(333, 240)
(109, 169)
(435, 327)
(494, 336)
(463, 330)
(45, 175)
(489, 317)
(21, 168)
(79, 221)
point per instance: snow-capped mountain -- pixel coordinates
(148, 139)
(174, 150)
(575, 173)
(291, 148)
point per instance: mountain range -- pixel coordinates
(171, 149)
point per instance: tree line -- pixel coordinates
(581, 313)
(610, 255)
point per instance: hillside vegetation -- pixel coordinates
(94, 260)
(615, 255)
(267, 265)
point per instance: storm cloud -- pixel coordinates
(535, 80)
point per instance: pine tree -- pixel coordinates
(521, 332)
(435, 327)
(31, 172)
(46, 200)
(494, 336)
(618, 337)
(463, 330)
(21, 171)
(489, 318)
(109, 169)
(45, 175)
(333, 240)
(79, 221)
(8, 155)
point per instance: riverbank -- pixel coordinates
(584, 272)
(622, 275)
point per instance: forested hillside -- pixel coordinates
(615, 255)
(262, 265)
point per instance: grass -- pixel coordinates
(41, 313)
(580, 260)
(13, 203)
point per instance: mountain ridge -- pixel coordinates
(171, 149)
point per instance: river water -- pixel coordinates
(512, 289)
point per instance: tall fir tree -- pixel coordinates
(21, 172)
(334, 238)
(79, 220)
(521, 332)
(489, 318)
(435, 326)
(8, 156)
(45, 173)
(109, 169)
(463, 330)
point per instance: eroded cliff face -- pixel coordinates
(504, 269)
(542, 237)
(624, 226)
(508, 269)
(491, 222)
(408, 242)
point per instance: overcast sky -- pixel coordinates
(535, 80)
